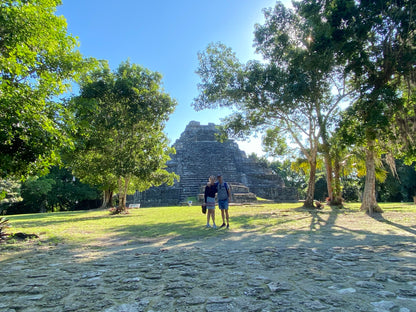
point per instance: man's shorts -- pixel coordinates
(223, 204)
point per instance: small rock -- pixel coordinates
(369, 285)
(91, 274)
(381, 277)
(132, 307)
(219, 300)
(364, 274)
(131, 280)
(386, 294)
(277, 287)
(153, 276)
(194, 300)
(403, 278)
(346, 291)
(214, 307)
(252, 283)
(315, 305)
(407, 292)
(384, 305)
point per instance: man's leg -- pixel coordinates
(221, 206)
(226, 213)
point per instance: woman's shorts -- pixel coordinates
(210, 203)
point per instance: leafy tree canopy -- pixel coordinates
(119, 139)
(289, 96)
(375, 43)
(56, 191)
(38, 60)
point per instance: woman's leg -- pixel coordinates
(208, 215)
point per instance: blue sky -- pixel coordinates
(166, 36)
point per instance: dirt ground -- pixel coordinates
(338, 262)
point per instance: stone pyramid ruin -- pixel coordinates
(199, 155)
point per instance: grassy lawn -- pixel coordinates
(97, 226)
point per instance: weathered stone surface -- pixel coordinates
(199, 155)
(145, 278)
(369, 284)
(384, 305)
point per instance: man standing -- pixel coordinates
(224, 195)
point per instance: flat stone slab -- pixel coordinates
(250, 272)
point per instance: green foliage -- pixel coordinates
(35, 192)
(404, 121)
(9, 193)
(275, 144)
(69, 193)
(56, 191)
(219, 71)
(374, 43)
(400, 188)
(192, 199)
(289, 97)
(38, 60)
(119, 141)
(291, 177)
(352, 189)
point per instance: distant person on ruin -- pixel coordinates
(209, 198)
(224, 196)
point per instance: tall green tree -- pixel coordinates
(290, 95)
(35, 193)
(38, 60)
(375, 42)
(119, 139)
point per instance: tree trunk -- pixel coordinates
(329, 179)
(311, 184)
(122, 194)
(369, 204)
(107, 199)
(125, 190)
(337, 194)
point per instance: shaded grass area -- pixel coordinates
(94, 228)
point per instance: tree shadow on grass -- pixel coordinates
(380, 218)
(326, 235)
(319, 229)
(181, 230)
(160, 259)
(318, 220)
(44, 219)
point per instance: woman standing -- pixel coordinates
(209, 198)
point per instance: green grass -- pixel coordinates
(98, 226)
(404, 207)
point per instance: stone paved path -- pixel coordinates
(240, 272)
